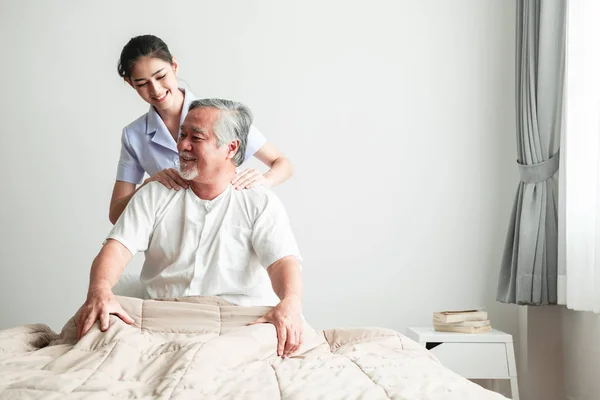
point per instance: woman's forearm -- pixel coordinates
(117, 207)
(281, 170)
(122, 193)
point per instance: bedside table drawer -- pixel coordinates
(474, 360)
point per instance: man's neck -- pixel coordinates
(210, 190)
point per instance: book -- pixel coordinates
(463, 323)
(460, 315)
(462, 329)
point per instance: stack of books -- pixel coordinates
(464, 321)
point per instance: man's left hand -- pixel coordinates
(287, 318)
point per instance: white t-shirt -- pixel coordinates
(196, 247)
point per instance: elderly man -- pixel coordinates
(207, 240)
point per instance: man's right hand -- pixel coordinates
(100, 304)
(170, 179)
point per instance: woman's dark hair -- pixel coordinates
(142, 46)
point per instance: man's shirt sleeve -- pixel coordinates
(135, 226)
(272, 236)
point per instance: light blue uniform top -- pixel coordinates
(147, 145)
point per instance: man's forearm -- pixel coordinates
(108, 266)
(286, 278)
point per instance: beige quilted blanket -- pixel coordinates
(201, 348)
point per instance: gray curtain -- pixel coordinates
(528, 272)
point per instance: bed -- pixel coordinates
(202, 348)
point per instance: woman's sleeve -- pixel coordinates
(129, 168)
(256, 140)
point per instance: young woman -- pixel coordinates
(149, 144)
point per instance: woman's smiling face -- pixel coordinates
(155, 80)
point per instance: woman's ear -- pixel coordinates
(175, 64)
(126, 79)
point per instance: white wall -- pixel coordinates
(398, 116)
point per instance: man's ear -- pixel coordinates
(232, 149)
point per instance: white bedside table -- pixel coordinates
(487, 355)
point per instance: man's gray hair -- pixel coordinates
(233, 123)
